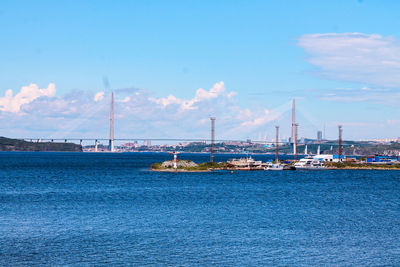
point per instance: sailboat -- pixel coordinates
(277, 166)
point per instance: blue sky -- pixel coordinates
(338, 58)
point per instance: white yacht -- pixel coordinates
(309, 164)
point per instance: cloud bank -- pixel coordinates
(10, 103)
(386, 97)
(355, 57)
(40, 112)
(201, 96)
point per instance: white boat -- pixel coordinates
(248, 162)
(309, 164)
(274, 167)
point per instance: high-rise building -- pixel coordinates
(147, 143)
(319, 135)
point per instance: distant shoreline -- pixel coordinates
(17, 145)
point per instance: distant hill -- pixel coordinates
(349, 148)
(8, 144)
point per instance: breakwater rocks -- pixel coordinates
(179, 164)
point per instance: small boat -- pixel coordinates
(274, 167)
(309, 164)
(246, 163)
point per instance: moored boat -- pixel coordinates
(246, 163)
(309, 164)
(274, 167)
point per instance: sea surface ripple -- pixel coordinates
(109, 209)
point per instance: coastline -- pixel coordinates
(232, 169)
(363, 168)
(177, 170)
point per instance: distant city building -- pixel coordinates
(329, 158)
(147, 143)
(319, 135)
(233, 143)
(130, 145)
(383, 140)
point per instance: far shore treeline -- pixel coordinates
(8, 144)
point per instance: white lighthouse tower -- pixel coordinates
(175, 158)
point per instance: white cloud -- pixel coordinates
(263, 119)
(10, 103)
(166, 101)
(201, 96)
(125, 100)
(137, 112)
(255, 119)
(393, 122)
(231, 94)
(356, 57)
(382, 96)
(99, 96)
(141, 115)
(244, 115)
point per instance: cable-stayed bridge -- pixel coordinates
(293, 141)
(81, 140)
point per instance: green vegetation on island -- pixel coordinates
(8, 144)
(187, 165)
(208, 166)
(352, 165)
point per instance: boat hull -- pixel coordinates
(310, 168)
(274, 169)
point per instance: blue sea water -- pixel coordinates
(108, 209)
